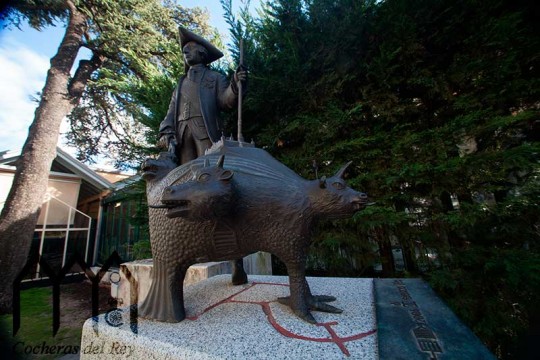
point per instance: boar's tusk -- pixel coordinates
(158, 206)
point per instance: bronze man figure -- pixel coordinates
(192, 123)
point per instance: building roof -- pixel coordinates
(62, 164)
(112, 176)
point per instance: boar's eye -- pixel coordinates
(338, 185)
(204, 177)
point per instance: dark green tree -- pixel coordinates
(436, 103)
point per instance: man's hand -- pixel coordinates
(164, 141)
(241, 74)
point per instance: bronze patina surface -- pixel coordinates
(231, 203)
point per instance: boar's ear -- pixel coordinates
(226, 175)
(341, 171)
(220, 161)
(193, 169)
(322, 182)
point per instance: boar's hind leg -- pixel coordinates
(239, 275)
(165, 300)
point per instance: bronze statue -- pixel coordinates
(192, 123)
(227, 204)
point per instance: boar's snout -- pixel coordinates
(361, 201)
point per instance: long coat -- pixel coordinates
(215, 93)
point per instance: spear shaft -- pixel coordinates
(240, 136)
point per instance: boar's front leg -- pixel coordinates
(301, 299)
(298, 301)
(319, 302)
(165, 300)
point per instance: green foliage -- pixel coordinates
(142, 250)
(337, 250)
(125, 222)
(37, 13)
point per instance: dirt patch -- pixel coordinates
(76, 302)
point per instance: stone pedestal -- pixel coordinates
(243, 322)
(137, 275)
(394, 319)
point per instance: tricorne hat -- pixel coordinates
(187, 36)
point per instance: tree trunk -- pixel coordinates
(385, 252)
(21, 210)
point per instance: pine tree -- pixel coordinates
(436, 103)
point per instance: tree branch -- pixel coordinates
(82, 75)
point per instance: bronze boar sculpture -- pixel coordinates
(228, 204)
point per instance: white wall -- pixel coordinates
(65, 189)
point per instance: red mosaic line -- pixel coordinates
(337, 340)
(334, 337)
(226, 300)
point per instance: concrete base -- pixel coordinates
(243, 322)
(140, 272)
